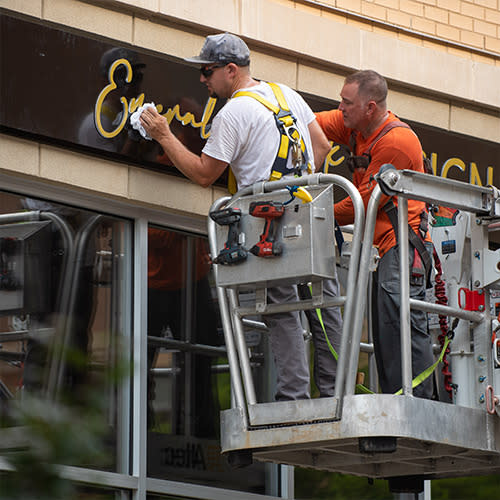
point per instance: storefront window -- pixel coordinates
(65, 281)
(188, 380)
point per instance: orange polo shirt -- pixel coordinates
(400, 147)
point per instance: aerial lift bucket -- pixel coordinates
(379, 435)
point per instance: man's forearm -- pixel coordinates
(184, 160)
(194, 167)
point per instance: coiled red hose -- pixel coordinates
(441, 298)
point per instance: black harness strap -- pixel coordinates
(416, 240)
(354, 160)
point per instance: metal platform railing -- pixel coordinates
(429, 439)
(233, 315)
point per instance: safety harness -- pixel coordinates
(290, 138)
(363, 160)
(417, 240)
(421, 252)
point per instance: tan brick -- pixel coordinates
(413, 39)
(483, 74)
(266, 67)
(399, 18)
(409, 107)
(492, 44)
(204, 13)
(390, 4)
(319, 82)
(483, 59)
(168, 191)
(259, 22)
(423, 25)
(428, 2)
(334, 17)
(412, 7)
(166, 39)
(492, 4)
(374, 11)
(72, 169)
(472, 39)
(460, 21)
(466, 54)
(485, 28)
(493, 16)
(309, 9)
(476, 124)
(448, 32)
(350, 5)
(89, 17)
(362, 25)
(436, 14)
(29, 7)
(472, 10)
(152, 5)
(441, 47)
(451, 5)
(19, 155)
(388, 32)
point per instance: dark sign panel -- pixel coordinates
(78, 91)
(63, 87)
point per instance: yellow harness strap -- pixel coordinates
(285, 121)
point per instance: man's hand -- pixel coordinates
(155, 124)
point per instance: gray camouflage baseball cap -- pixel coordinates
(222, 48)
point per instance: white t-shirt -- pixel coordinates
(244, 133)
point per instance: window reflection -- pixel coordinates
(63, 298)
(188, 379)
(182, 320)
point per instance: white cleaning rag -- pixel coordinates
(135, 121)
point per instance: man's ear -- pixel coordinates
(232, 68)
(371, 107)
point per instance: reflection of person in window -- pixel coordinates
(168, 291)
(127, 141)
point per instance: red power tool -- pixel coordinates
(270, 211)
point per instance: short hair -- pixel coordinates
(370, 84)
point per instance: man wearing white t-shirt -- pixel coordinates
(245, 136)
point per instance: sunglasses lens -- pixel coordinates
(206, 72)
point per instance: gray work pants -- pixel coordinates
(386, 332)
(289, 348)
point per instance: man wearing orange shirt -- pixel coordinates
(362, 121)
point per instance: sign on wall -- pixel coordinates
(77, 91)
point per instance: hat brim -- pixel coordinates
(198, 60)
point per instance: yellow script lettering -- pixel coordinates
(104, 93)
(188, 118)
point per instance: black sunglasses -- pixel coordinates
(207, 72)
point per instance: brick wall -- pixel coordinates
(475, 23)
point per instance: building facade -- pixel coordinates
(122, 270)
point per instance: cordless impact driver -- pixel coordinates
(232, 252)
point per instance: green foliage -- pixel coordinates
(50, 433)
(319, 485)
(466, 488)
(39, 434)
